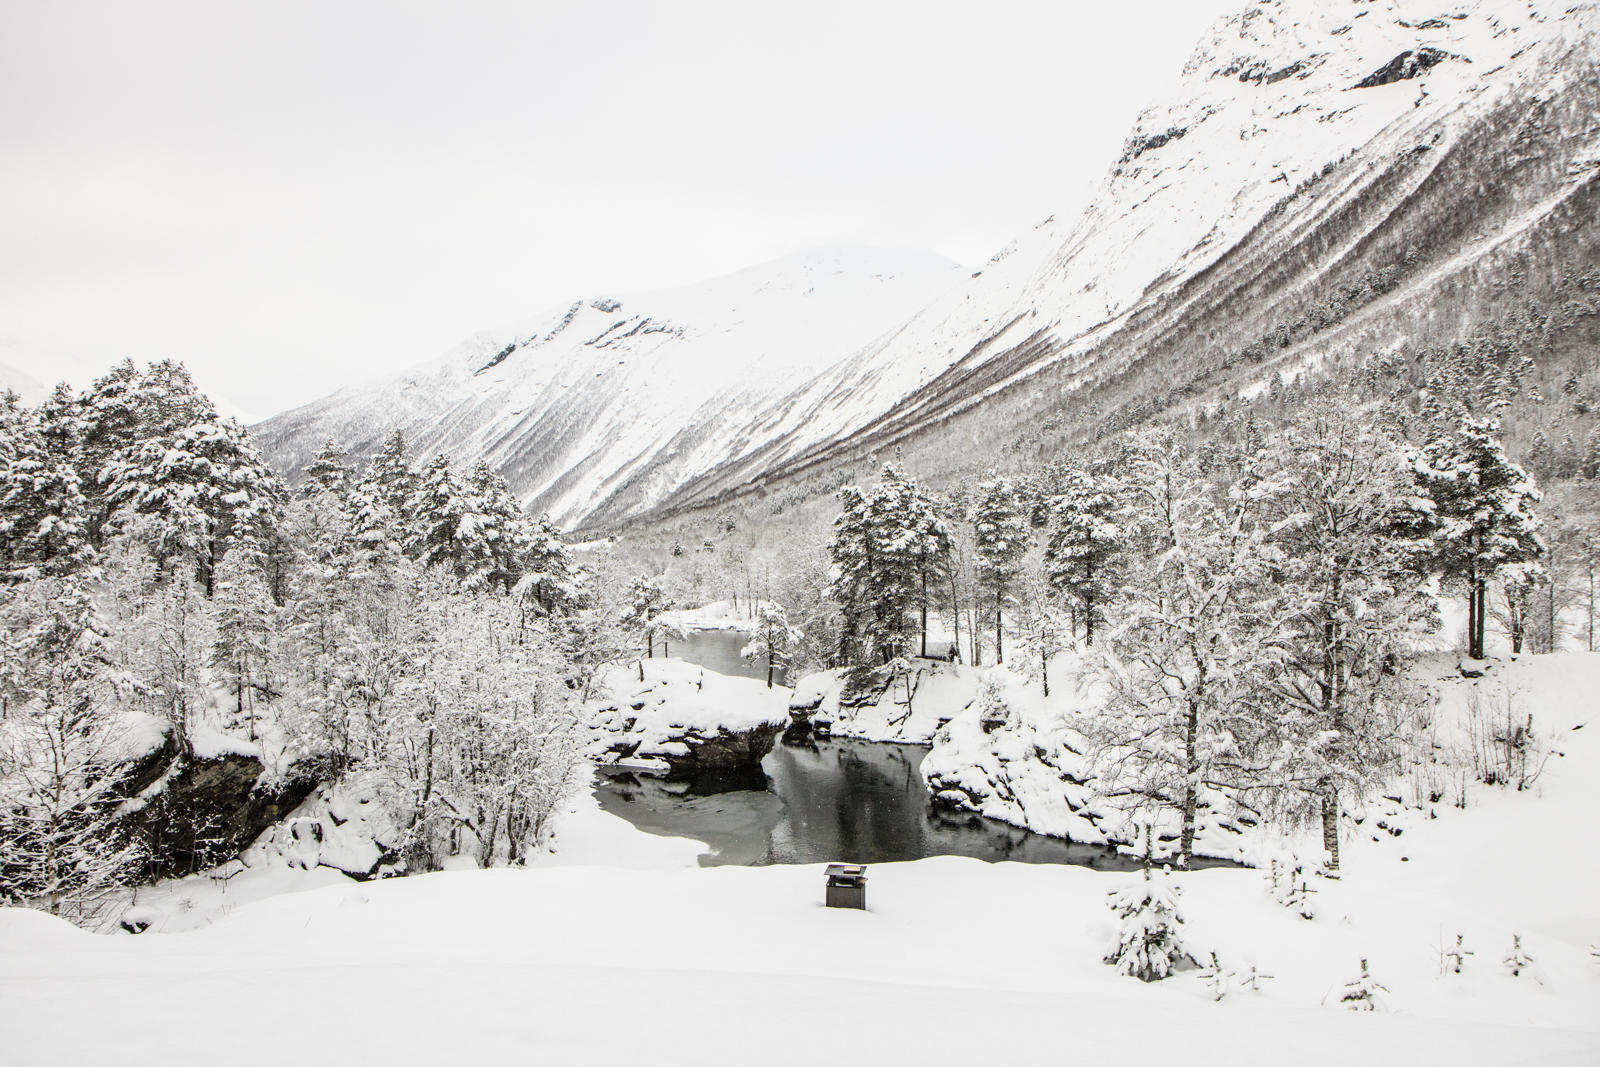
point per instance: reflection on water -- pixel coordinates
(718, 650)
(855, 801)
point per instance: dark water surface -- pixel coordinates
(845, 801)
(718, 650)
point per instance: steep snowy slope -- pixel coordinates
(616, 402)
(1307, 143)
(1308, 146)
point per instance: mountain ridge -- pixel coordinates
(1303, 148)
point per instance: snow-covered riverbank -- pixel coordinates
(463, 966)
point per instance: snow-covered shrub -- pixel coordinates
(1454, 958)
(1518, 960)
(1364, 993)
(1148, 945)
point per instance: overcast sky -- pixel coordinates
(293, 196)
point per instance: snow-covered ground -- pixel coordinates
(614, 944)
(955, 961)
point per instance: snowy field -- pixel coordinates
(616, 942)
(617, 945)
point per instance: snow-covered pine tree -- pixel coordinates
(60, 746)
(1149, 943)
(241, 636)
(496, 534)
(646, 601)
(386, 494)
(772, 640)
(438, 508)
(1000, 526)
(886, 550)
(43, 511)
(934, 559)
(329, 470)
(549, 579)
(1364, 992)
(202, 484)
(850, 554)
(899, 516)
(1084, 553)
(1486, 519)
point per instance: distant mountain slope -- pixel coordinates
(1447, 150)
(1338, 175)
(613, 403)
(24, 385)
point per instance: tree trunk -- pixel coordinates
(923, 575)
(999, 641)
(1088, 604)
(771, 662)
(1472, 616)
(1191, 766)
(1330, 825)
(1483, 616)
(955, 616)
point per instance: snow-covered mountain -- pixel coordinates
(1307, 145)
(612, 403)
(24, 385)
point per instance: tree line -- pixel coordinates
(407, 625)
(1248, 613)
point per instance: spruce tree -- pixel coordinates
(888, 548)
(1486, 520)
(329, 470)
(1000, 526)
(202, 485)
(44, 516)
(1149, 942)
(1083, 556)
(438, 507)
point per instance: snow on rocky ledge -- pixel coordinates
(673, 718)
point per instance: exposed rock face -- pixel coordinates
(193, 812)
(708, 761)
(1407, 64)
(687, 724)
(874, 706)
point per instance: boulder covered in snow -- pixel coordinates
(1014, 755)
(197, 805)
(689, 724)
